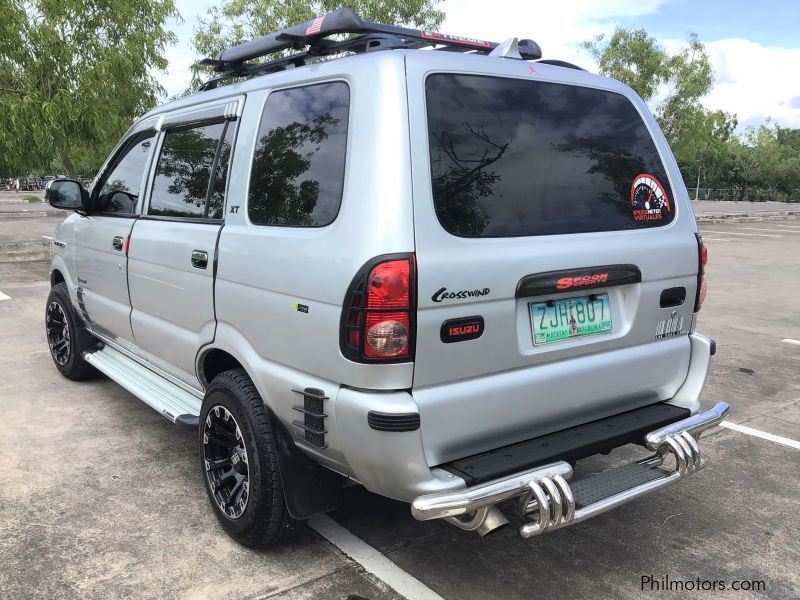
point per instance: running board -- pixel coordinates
(173, 402)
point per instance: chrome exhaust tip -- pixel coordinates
(495, 519)
(484, 520)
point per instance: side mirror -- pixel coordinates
(66, 194)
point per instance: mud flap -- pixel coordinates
(309, 488)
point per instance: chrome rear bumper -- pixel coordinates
(544, 493)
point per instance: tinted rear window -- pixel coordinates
(512, 157)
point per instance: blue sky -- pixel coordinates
(767, 22)
(754, 45)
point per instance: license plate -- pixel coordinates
(570, 317)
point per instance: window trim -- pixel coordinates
(348, 145)
(667, 159)
(122, 151)
(227, 120)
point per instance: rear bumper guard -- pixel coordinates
(545, 495)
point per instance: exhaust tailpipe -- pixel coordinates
(495, 519)
(484, 520)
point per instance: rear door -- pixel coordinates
(173, 245)
(549, 224)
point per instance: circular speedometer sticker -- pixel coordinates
(649, 199)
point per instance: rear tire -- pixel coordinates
(66, 336)
(239, 463)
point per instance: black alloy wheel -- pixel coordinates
(239, 462)
(226, 462)
(58, 334)
(67, 337)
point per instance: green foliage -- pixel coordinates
(704, 142)
(237, 21)
(680, 80)
(631, 56)
(73, 75)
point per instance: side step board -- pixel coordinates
(173, 402)
(545, 495)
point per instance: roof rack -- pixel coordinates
(309, 37)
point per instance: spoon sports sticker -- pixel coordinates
(649, 199)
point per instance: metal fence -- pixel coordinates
(744, 194)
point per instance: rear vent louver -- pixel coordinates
(393, 421)
(313, 423)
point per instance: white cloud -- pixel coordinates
(753, 81)
(559, 26)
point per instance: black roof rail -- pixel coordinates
(232, 62)
(560, 63)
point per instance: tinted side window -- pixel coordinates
(120, 190)
(298, 164)
(216, 194)
(513, 157)
(184, 170)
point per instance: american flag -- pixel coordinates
(315, 26)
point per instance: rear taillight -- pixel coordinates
(378, 323)
(702, 259)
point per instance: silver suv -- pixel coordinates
(446, 275)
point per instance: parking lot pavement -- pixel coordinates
(101, 496)
(29, 230)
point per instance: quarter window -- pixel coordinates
(298, 163)
(191, 172)
(120, 190)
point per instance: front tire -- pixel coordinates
(66, 336)
(239, 463)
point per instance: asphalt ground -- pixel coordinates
(101, 497)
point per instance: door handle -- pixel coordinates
(117, 243)
(199, 259)
(673, 297)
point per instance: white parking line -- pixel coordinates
(372, 560)
(735, 233)
(789, 341)
(47, 237)
(762, 434)
(785, 225)
(4, 297)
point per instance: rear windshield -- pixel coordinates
(511, 157)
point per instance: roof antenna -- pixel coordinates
(508, 49)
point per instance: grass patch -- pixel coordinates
(31, 199)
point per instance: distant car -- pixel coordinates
(445, 276)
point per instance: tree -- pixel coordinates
(631, 56)
(636, 58)
(74, 74)
(688, 76)
(675, 82)
(237, 21)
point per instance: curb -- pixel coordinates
(24, 251)
(27, 215)
(756, 217)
